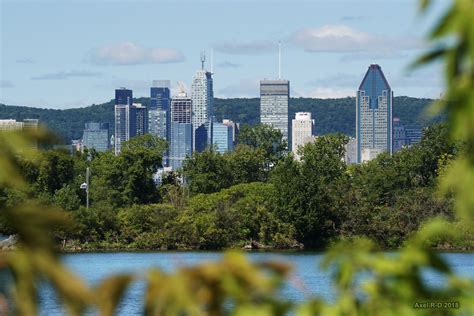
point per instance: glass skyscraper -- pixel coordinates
(131, 119)
(202, 94)
(157, 124)
(96, 136)
(223, 136)
(159, 114)
(274, 97)
(138, 120)
(160, 95)
(123, 102)
(181, 143)
(374, 102)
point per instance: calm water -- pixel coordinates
(307, 278)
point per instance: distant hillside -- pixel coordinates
(330, 115)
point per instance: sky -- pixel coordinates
(71, 53)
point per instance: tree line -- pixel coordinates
(331, 115)
(257, 193)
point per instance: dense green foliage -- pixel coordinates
(368, 282)
(331, 115)
(257, 193)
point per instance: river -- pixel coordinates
(307, 277)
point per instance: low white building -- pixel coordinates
(10, 125)
(370, 153)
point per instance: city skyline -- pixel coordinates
(78, 63)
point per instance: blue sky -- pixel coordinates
(63, 54)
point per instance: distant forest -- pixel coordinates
(330, 115)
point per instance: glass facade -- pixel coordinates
(374, 101)
(131, 119)
(160, 98)
(274, 96)
(159, 114)
(138, 120)
(399, 135)
(157, 124)
(96, 136)
(181, 142)
(222, 136)
(404, 137)
(122, 125)
(123, 96)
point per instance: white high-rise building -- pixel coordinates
(302, 131)
(202, 95)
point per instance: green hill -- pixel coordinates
(330, 115)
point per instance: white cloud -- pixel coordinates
(246, 48)
(344, 39)
(6, 84)
(62, 75)
(128, 53)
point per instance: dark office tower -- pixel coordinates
(159, 113)
(123, 103)
(201, 137)
(374, 101)
(181, 143)
(160, 95)
(139, 120)
(96, 136)
(123, 96)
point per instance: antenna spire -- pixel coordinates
(212, 60)
(203, 59)
(279, 59)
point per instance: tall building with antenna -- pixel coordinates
(202, 95)
(274, 98)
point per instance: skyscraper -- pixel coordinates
(202, 94)
(159, 114)
(374, 101)
(139, 120)
(123, 102)
(274, 96)
(157, 123)
(96, 135)
(223, 136)
(160, 95)
(302, 131)
(131, 119)
(181, 143)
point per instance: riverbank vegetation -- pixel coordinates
(257, 196)
(393, 284)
